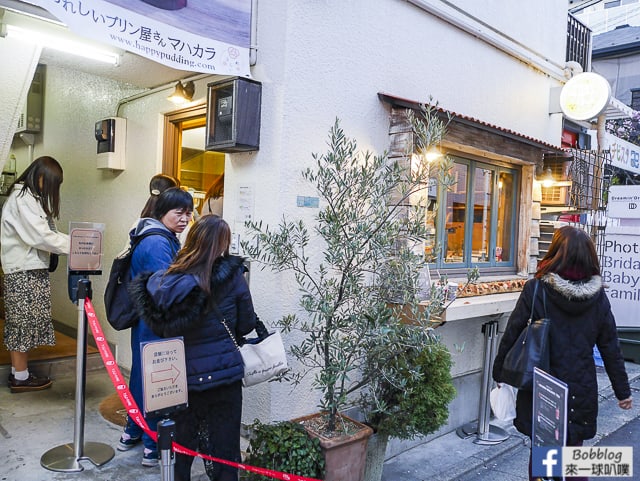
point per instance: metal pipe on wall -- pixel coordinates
(477, 28)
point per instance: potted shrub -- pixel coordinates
(369, 231)
(285, 446)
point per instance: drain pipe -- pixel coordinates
(253, 47)
(482, 31)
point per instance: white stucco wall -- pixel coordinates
(322, 60)
(317, 60)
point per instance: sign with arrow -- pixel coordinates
(164, 376)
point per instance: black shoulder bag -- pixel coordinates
(530, 350)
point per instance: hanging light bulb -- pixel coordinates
(547, 179)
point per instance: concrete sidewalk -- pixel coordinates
(33, 423)
(450, 457)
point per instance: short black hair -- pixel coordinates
(173, 198)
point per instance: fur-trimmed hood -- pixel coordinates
(174, 303)
(572, 297)
(574, 290)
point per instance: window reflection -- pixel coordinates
(455, 211)
(482, 195)
(473, 221)
(505, 217)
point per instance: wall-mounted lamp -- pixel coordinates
(183, 92)
(433, 153)
(548, 180)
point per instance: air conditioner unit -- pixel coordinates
(30, 119)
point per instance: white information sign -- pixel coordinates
(85, 253)
(164, 375)
(624, 202)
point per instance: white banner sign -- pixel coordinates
(621, 276)
(208, 36)
(624, 155)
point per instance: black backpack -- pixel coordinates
(121, 313)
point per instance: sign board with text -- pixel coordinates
(620, 266)
(624, 202)
(549, 410)
(86, 244)
(164, 375)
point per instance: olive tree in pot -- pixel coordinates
(369, 232)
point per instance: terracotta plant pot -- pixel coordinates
(345, 455)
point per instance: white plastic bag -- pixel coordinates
(503, 402)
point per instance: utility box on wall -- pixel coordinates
(30, 119)
(233, 115)
(111, 135)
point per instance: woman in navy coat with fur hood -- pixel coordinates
(581, 317)
(180, 302)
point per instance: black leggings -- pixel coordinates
(211, 425)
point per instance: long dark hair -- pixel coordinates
(208, 239)
(43, 178)
(571, 254)
(216, 190)
(173, 198)
(157, 185)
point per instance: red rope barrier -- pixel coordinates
(136, 415)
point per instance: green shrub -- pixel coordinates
(413, 394)
(286, 447)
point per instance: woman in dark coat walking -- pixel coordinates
(581, 317)
(200, 292)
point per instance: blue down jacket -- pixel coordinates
(174, 305)
(581, 317)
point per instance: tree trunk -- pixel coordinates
(376, 450)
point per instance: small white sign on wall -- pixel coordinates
(624, 202)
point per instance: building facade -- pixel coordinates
(491, 66)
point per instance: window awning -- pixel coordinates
(492, 138)
(617, 110)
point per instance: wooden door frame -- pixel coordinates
(173, 135)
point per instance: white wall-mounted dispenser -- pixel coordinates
(111, 135)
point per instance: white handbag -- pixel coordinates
(263, 357)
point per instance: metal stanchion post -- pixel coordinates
(166, 431)
(67, 456)
(485, 432)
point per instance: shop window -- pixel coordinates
(473, 222)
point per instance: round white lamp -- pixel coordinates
(585, 96)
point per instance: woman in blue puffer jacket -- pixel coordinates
(186, 300)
